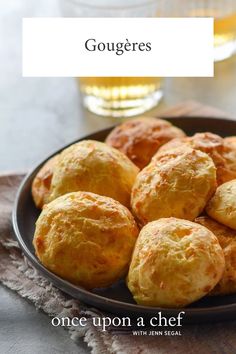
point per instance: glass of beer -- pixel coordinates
(120, 96)
(117, 96)
(224, 13)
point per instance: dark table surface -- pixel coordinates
(38, 116)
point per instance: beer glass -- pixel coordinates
(117, 96)
(224, 13)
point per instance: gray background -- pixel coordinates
(39, 115)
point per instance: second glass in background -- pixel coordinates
(224, 13)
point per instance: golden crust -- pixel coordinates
(227, 240)
(222, 206)
(216, 147)
(230, 156)
(140, 138)
(86, 239)
(177, 183)
(231, 140)
(42, 182)
(94, 167)
(175, 262)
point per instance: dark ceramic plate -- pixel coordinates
(117, 299)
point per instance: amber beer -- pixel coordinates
(120, 96)
(225, 29)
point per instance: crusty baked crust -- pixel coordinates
(141, 138)
(175, 262)
(94, 167)
(222, 206)
(178, 183)
(42, 182)
(86, 239)
(222, 153)
(227, 240)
